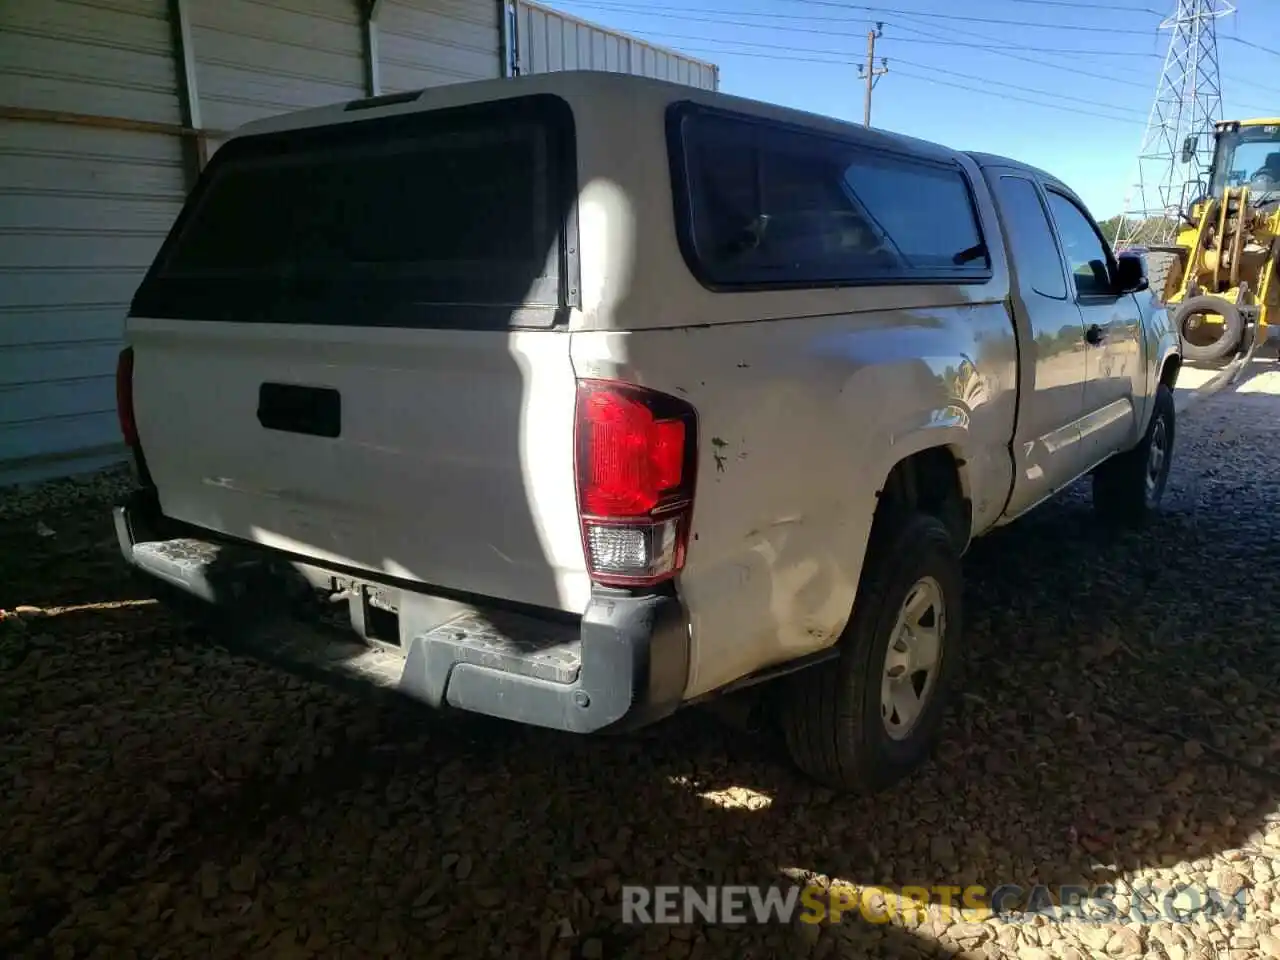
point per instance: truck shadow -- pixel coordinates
(1118, 712)
(1118, 716)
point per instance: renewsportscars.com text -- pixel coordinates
(1009, 902)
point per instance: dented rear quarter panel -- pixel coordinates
(799, 423)
(806, 399)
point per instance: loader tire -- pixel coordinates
(1160, 265)
(1226, 343)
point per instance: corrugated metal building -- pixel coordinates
(109, 107)
(547, 41)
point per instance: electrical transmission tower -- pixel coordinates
(1187, 104)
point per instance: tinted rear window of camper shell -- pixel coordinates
(449, 218)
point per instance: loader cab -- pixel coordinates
(1247, 154)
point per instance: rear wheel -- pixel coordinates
(1128, 488)
(865, 720)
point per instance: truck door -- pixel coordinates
(1112, 332)
(1047, 447)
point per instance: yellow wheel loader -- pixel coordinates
(1219, 278)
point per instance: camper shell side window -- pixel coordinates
(761, 204)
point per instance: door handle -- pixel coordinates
(1094, 335)
(297, 409)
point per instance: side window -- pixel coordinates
(1035, 251)
(925, 209)
(1086, 256)
(777, 205)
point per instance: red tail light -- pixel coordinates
(637, 459)
(124, 397)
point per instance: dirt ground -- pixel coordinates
(162, 795)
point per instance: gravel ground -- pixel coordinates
(163, 796)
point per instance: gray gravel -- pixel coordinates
(31, 500)
(163, 796)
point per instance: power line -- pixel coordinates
(1002, 50)
(898, 61)
(751, 55)
(829, 33)
(923, 36)
(1075, 5)
(1245, 84)
(877, 10)
(754, 55)
(1071, 4)
(1260, 87)
(930, 37)
(747, 43)
(1008, 96)
(1037, 61)
(1237, 83)
(1258, 109)
(1255, 46)
(1026, 49)
(1261, 111)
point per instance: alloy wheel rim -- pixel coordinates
(1157, 456)
(912, 658)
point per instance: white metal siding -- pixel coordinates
(550, 41)
(83, 209)
(82, 212)
(257, 58)
(62, 55)
(427, 43)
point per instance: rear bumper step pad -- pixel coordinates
(624, 665)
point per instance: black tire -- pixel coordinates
(1122, 495)
(1232, 328)
(1160, 264)
(830, 713)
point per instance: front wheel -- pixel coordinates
(1128, 488)
(866, 719)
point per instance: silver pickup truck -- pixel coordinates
(594, 396)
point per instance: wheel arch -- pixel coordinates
(933, 480)
(1169, 370)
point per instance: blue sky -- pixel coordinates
(1068, 90)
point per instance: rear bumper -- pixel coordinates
(625, 664)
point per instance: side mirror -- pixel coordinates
(1189, 148)
(1131, 275)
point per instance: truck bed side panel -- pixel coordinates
(800, 422)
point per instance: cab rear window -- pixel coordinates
(760, 204)
(454, 218)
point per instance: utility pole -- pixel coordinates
(870, 72)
